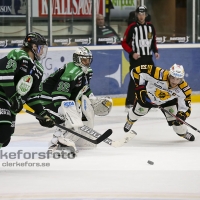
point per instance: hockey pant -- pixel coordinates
(140, 110)
(7, 124)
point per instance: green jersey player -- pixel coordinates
(62, 93)
(20, 77)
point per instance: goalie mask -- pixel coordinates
(37, 44)
(82, 57)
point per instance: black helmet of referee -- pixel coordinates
(141, 9)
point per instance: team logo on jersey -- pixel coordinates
(150, 35)
(11, 64)
(162, 95)
(24, 85)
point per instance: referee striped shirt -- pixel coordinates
(140, 38)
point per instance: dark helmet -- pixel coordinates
(141, 9)
(39, 41)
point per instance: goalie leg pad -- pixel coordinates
(79, 142)
(102, 106)
(58, 142)
(71, 136)
(88, 111)
(69, 111)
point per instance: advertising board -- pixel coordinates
(111, 65)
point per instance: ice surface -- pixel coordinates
(106, 172)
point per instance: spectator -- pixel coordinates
(139, 42)
(106, 34)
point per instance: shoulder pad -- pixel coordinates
(18, 54)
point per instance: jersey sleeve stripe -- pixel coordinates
(165, 75)
(149, 69)
(183, 85)
(137, 69)
(136, 76)
(161, 74)
(157, 73)
(6, 77)
(188, 92)
(59, 98)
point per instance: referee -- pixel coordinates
(139, 42)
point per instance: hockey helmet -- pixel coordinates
(39, 41)
(177, 71)
(141, 9)
(82, 57)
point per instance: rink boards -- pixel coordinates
(111, 67)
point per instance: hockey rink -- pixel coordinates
(105, 172)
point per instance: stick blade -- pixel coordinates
(103, 136)
(128, 136)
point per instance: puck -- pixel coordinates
(150, 162)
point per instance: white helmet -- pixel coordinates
(82, 53)
(177, 71)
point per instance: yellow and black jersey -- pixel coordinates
(158, 88)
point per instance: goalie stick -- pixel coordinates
(163, 109)
(99, 139)
(118, 143)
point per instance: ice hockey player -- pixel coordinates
(67, 93)
(20, 77)
(166, 88)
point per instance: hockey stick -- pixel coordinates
(118, 143)
(161, 108)
(182, 121)
(97, 141)
(128, 136)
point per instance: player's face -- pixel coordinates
(174, 81)
(86, 61)
(40, 50)
(141, 17)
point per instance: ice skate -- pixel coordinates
(59, 143)
(127, 107)
(188, 136)
(128, 125)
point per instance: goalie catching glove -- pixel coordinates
(101, 105)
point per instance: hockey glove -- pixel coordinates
(143, 97)
(16, 103)
(181, 115)
(48, 119)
